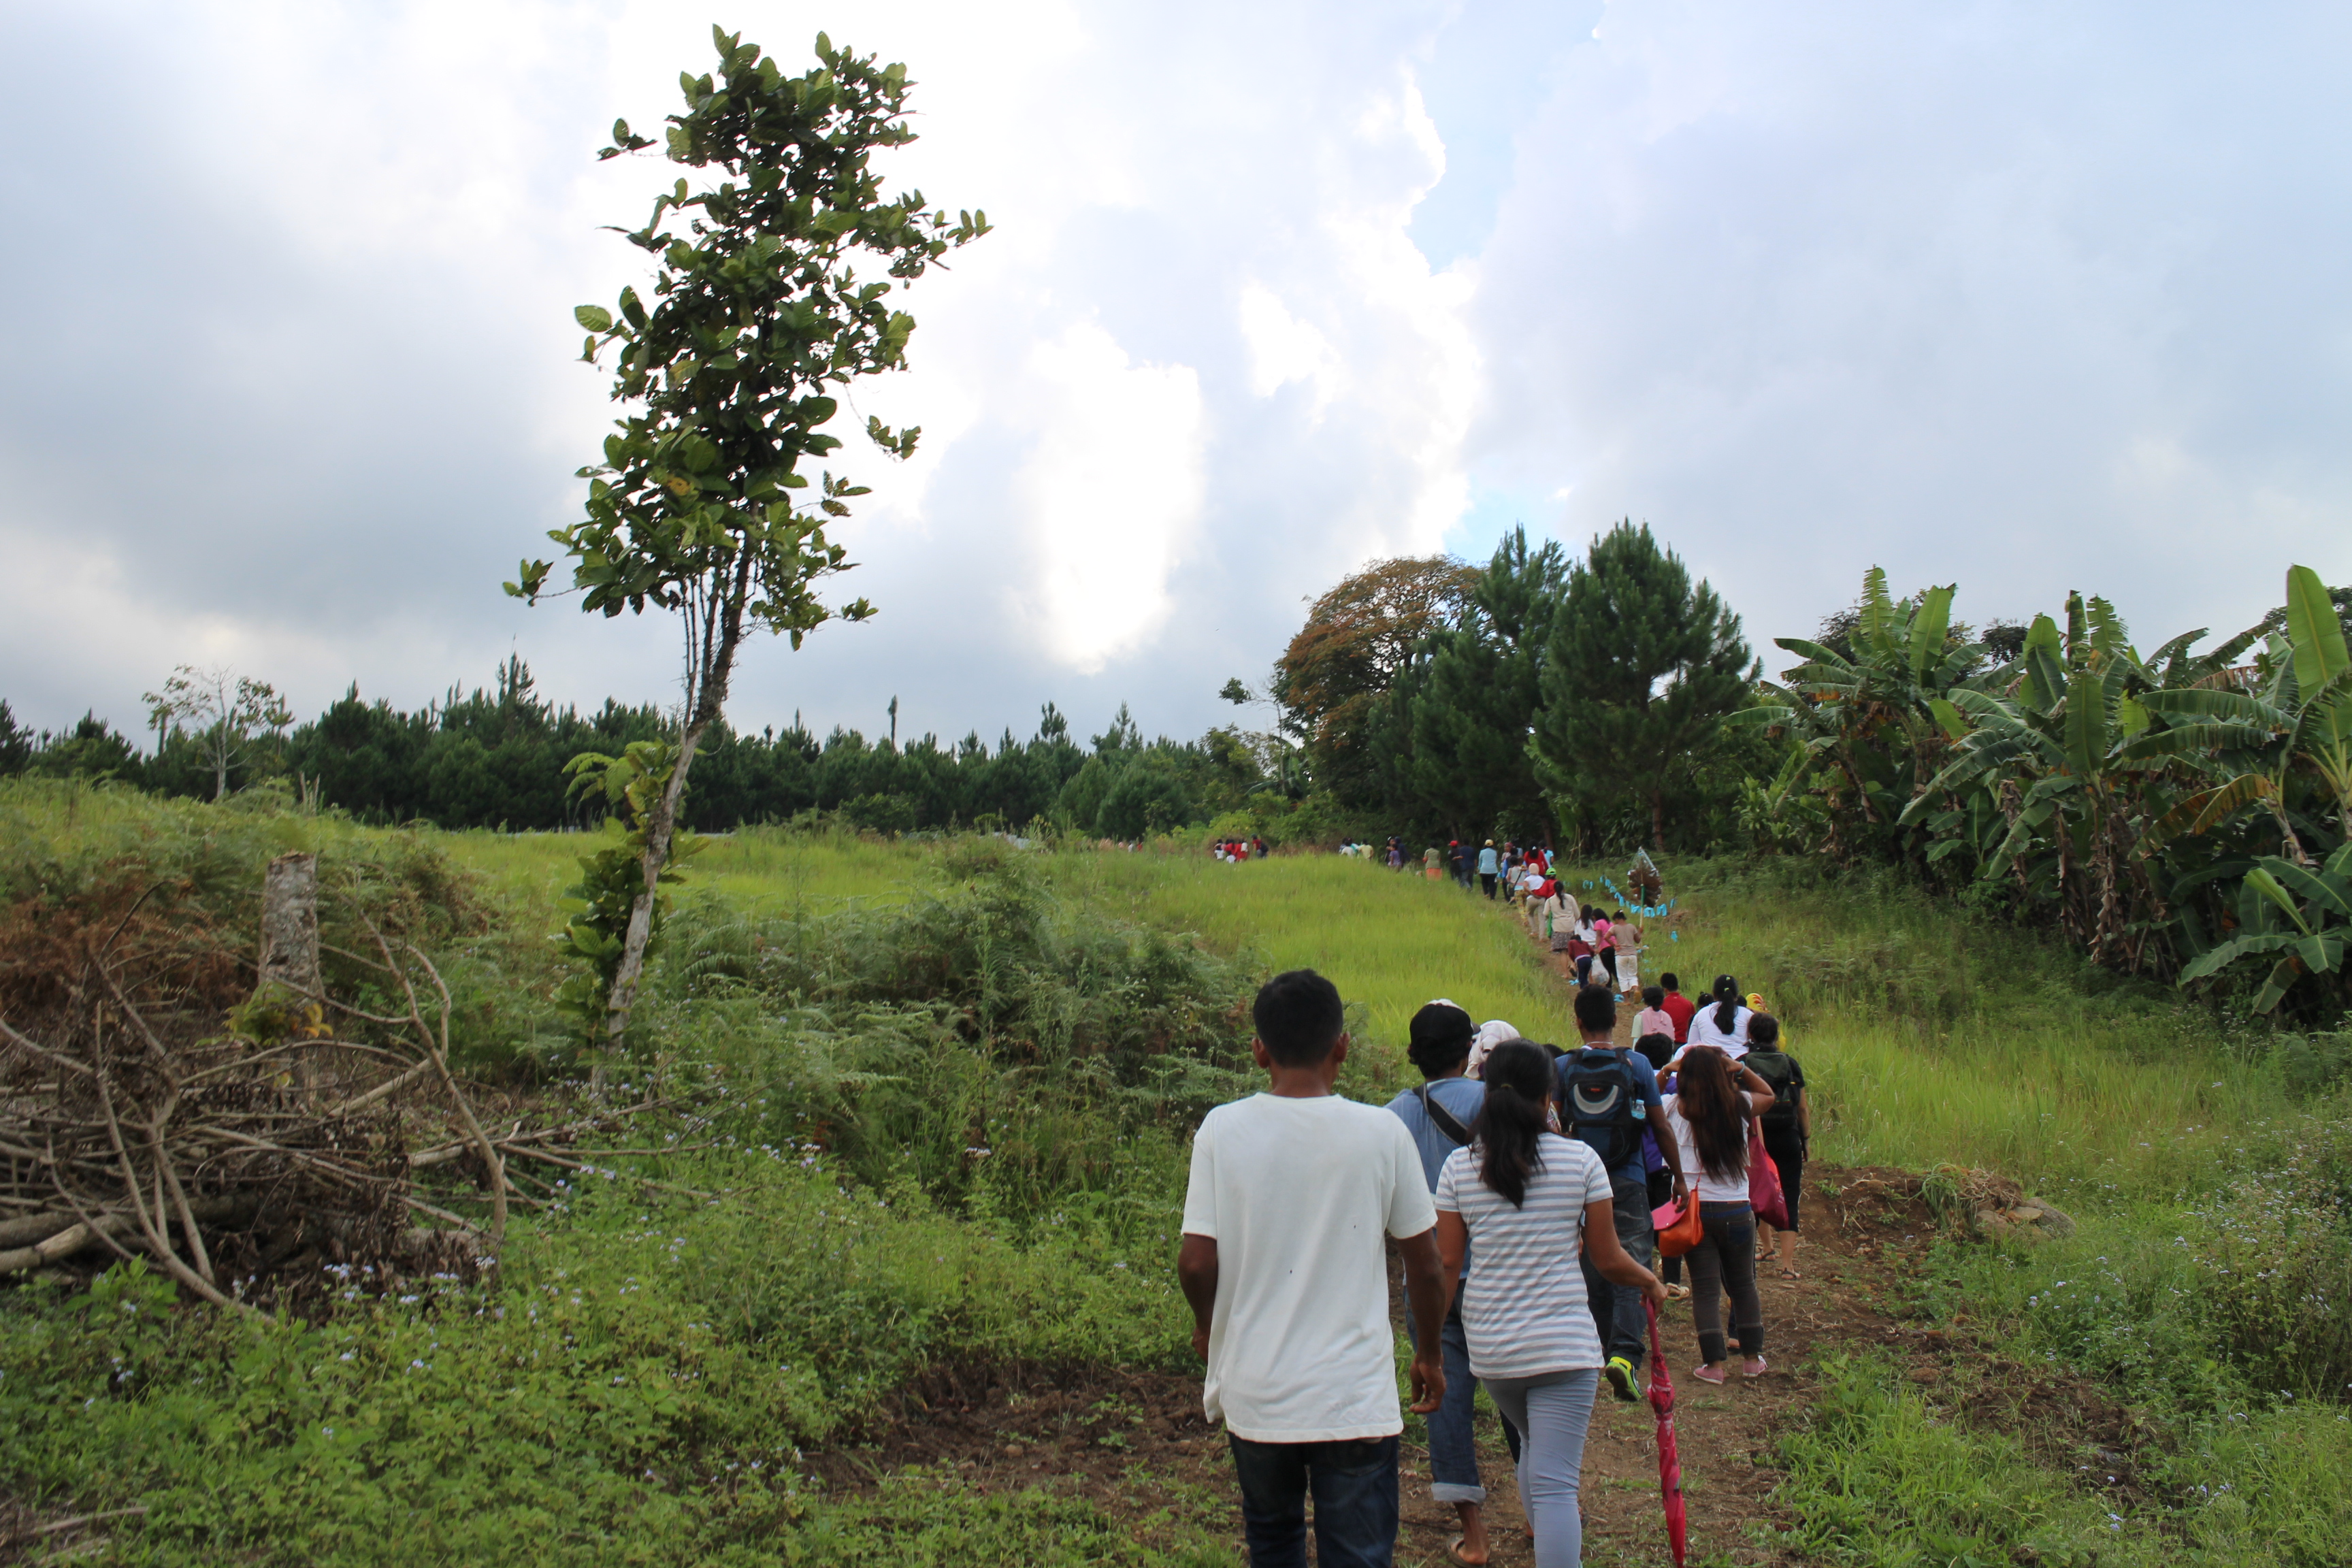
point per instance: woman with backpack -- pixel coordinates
(1528, 1202)
(1787, 1133)
(1708, 1113)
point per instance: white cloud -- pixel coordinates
(2020, 298)
(1111, 494)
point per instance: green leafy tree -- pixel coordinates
(1473, 700)
(1639, 672)
(757, 315)
(1332, 683)
(221, 711)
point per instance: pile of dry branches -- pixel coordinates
(138, 1116)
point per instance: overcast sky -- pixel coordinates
(2021, 297)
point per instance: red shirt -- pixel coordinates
(1682, 1010)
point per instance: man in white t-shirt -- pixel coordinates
(1291, 1191)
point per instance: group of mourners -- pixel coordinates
(1524, 1184)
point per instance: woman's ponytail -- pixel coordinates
(1518, 1086)
(1727, 1004)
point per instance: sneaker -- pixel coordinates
(1707, 1373)
(1619, 1372)
(1754, 1366)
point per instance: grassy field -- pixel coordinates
(939, 1098)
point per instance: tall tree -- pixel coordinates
(1474, 702)
(1332, 680)
(1639, 671)
(757, 314)
(221, 711)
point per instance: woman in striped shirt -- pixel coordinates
(1529, 1200)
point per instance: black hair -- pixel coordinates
(1596, 1009)
(1518, 1087)
(1439, 1039)
(1653, 997)
(1671, 981)
(1618, 916)
(1763, 1032)
(1708, 1098)
(1726, 1002)
(1298, 1015)
(1656, 1049)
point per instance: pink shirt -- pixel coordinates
(1653, 1021)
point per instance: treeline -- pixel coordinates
(495, 757)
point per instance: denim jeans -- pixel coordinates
(1452, 1449)
(1617, 1315)
(1555, 1409)
(1355, 1490)
(1724, 1264)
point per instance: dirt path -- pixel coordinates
(1135, 1442)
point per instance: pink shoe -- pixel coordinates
(1707, 1374)
(1753, 1367)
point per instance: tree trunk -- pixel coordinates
(1658, 820)
(660, 830)
(290, 944)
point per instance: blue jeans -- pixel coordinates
(1617, 1315)
(1553, 1410)
(1453, 1451)
(1355, 1488)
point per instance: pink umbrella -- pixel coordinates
(1670, 1465)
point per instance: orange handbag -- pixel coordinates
(1679, 1227)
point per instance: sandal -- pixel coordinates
(1453, 1554)
(1790, 1273)
(1676, 1292)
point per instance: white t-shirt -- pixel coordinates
(1702, 1031)
(1298, 1195)
(1709, 1189)
(1524, 1310)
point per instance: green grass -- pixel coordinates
(913, 1000)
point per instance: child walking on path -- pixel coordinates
(1528, 1199)
(1284, 1267)
(1709, 1116)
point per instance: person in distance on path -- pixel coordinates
(1438, 1114)
(1676, 1005)
(1490, 866)
(1709, 1115)
(1626, 937)
(1722, 1023)
(1529, 1200)
(1282, 1264)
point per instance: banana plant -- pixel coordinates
(2251, 746)
(2043, 784)
(2300, 913)
(1864, 716)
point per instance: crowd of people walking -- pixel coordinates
(1545, 1200)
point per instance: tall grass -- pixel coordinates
(1389, 942)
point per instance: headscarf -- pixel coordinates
(1491, 1033)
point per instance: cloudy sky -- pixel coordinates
(2020, 297)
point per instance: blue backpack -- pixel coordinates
(1601, 1101)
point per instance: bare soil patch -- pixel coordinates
(1135, 1442)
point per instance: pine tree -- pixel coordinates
(1639, 671)
(1474, 695)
